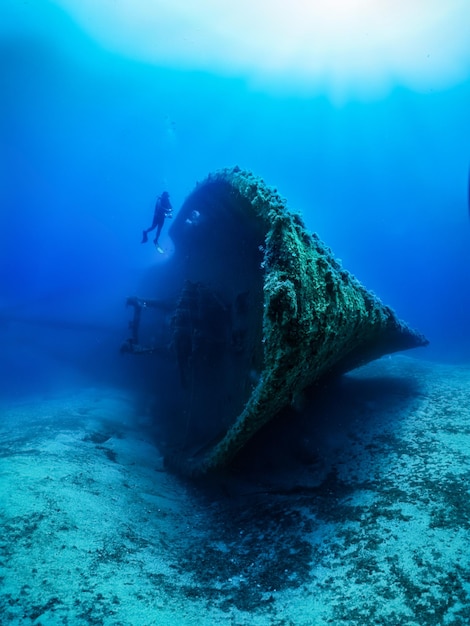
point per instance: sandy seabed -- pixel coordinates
(364, 520)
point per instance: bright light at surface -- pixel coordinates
(346, 48)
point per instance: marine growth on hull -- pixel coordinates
(250, 310)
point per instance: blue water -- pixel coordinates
(352, 508)
(89, 138)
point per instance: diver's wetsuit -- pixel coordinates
(163, 209)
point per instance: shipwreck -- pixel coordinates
(249, 310)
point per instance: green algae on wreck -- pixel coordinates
(257, 310)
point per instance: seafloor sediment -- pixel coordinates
(362, 518)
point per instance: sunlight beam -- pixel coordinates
(348, 48)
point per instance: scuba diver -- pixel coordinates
(163, 209)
